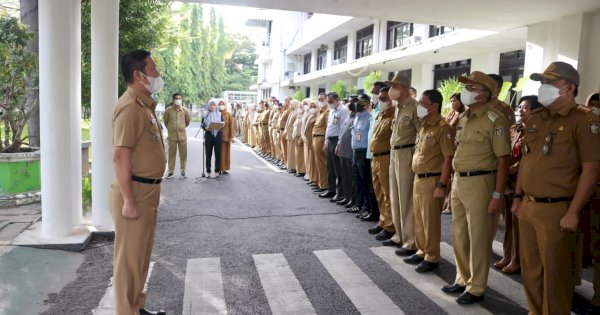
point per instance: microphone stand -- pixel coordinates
(197, 179)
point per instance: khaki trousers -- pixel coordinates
(428, 222)
(300, 166)
(380, 166)
(595, 244)
(401, 196)
(225, 156)
(174, 146)
(471, 226)
(276, 148)
(308, 160)
(546, 257)
(133, 246)
(321, 162)
(284, 148)
(266, 139)
(291, 149)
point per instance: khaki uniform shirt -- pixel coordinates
(481, 137)
(435, 142)
(228, 128)
(283, 119)
(405, 123)
(572, 136)
(289, 125)
(275, 119)
(176, 121)
(505, 109)
(321, 122)
(307, 128)
(264, 117)
(257, 117)
(135, 126)
(380, 142)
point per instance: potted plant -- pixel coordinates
(19, 163)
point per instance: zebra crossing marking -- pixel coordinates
(204, 292)
(364, 294)
(283, 291)
(428, 283)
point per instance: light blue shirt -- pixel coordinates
(335, 120)
(361, 130)
(374, 114)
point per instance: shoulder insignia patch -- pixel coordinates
(499, 131)
(595, 128)
(492, 116)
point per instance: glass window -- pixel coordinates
(437, 30)
(307, 58)
(364, 42)
(340, 50)
(321, 59)
(398, 34)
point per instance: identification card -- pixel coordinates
(358, 136)
(335, 120)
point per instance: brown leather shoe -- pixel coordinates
(511, 269)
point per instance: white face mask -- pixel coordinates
(421, 111)
(384, 105)
(156, 84)
(178, 102)
(312, 110)
(468, 98)
(375, 98)
(547, 94)
(222, 107)
(276, 107)
(321, 104)
(306, 107)
(596, 111)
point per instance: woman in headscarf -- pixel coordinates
(452, 119)
(307, 139)
(228, 137)
(297, 140)
(213, 139)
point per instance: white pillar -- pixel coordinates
(105, 71)
(422, 78)
(75, 113)
(60, 131)
(486, 62)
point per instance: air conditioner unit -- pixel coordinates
(335, 62)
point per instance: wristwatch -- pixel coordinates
(441, 185)
(496, 195)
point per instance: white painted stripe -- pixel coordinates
(282, 289)
(5, 249)
(504, 285)
(586, 289)
(363, 293)
(107, 303)
(428, 283)
(204, 287)
(265, 162)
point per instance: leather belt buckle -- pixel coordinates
(531, 198)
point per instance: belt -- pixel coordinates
(404, 146)
(145, 180)
(548, 199)
(318, 135)
(332, 138)
(428, 175)
(264, 124)
(475, 173)
(381, 153)
(360, 149)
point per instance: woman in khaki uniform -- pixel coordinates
(297, 140)
(228, 137)
(309, 154)
(318, 134)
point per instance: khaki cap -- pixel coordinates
(400, 80)
(556, 71)
(478, 77)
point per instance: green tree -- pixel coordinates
(340, 88)
(240, 70)
(370, 80)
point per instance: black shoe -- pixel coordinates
(300, 174)
(353, 210)
(350, 204)
(426, 266)
(327, 194)
(306, 179)
(374, 230)
(311, 183)
(453, 288)
(369, 216)
(468, 298)
(144, 311)
(389, 243)
(169, 176)
(383, 235)
(224, 173)
(292, 171)
(361, 214)
(405, 251)
(414, 259)
(319, 190)
(342, 202)
(335, 198)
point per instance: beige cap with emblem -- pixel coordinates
(556, 71)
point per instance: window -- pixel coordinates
(398, 34)
(437, 30)
(340, 50)
(307, 62)
(321, 59)
(449, 70)
(307, 92)
(364, 42)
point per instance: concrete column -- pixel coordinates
(351, 53)
(105, 72)
(486, 62)
(382, 35)
(60, 127)
(376, 37)
(422, 78)
(589, 63)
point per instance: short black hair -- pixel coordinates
(380, 84)
(134, 60)
(497, 78)
(385, 89)
(176, 94)
(436, 97)
(595, 97)
(533, 101)
(333, 94)
(413, 89)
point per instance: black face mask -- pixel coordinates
(360, 108)
(352, 107)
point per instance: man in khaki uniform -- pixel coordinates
(297, 141)
(273, 120)
(139, 162)
(380, 170)
(432, 165)
(289, 135)
(307, 138)
(558, 174)
(264, 130)
(177, 118)
(318, 134)
(282, 132)
(404, 133)
(481, 170)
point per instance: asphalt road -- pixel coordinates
(256, 210)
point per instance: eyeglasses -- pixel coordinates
(548, 144)
(473, 88)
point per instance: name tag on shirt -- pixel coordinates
(358, 136)
(335, 119)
